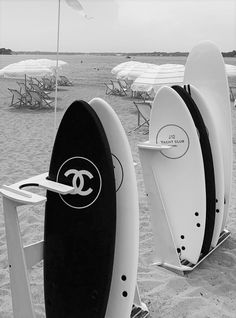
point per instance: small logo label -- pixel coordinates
(173, 135)
(82, 174)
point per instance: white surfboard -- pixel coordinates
(127, 236)
(217, 160)
(179, 172)
(205, 69)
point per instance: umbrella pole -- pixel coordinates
(58, 41)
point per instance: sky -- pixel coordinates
(117, 25)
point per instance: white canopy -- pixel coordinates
(165, 74)
(131, 70)
(37, 67)
(230, 70)
(149, 77)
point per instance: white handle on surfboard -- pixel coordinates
(152, 146)
(15, 191)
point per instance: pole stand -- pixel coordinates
(22, 258)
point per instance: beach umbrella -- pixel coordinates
(230, 70)
(124, 65)
(165, 74)
(32, 67)
(131, 70)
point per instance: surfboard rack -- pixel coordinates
(23, 258)
(185, 266)
(166, 252)
(16, 193)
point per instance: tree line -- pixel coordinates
(5, 51)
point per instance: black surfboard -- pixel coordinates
(208, 166)
(80, 227)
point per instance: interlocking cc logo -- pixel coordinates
(79, 174)
(84, 176)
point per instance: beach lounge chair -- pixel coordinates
(39, 101)
(19, 99)
(38, 89)
(64, 81)
(60, 82)
(118, 89)
(143, 114)
(231, 92)
(109, 89)
(145, 96)
(124, 86)
(47, 84)
(34, 80)
(232, 88)
(23, 88)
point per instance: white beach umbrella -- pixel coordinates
(124, 65)
(230, 70)
(131, 70)
(51, 63)
(165, 74)
(33, 67)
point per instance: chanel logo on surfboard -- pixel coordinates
(84, 176)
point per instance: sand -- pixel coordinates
(25, 146)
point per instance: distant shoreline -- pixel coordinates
(127, 55)
(104, 53)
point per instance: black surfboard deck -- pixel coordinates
(208, 166)
(80, 227)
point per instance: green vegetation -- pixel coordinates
(5, 51)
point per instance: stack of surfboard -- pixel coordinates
(191, 125)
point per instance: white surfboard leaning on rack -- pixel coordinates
(217, 160)
(124, 276)
(205, 70)
(176, 171)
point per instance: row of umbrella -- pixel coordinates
(148, 77)
(145, 77)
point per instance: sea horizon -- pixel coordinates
(126, 54)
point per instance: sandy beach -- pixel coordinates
(26, 141)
